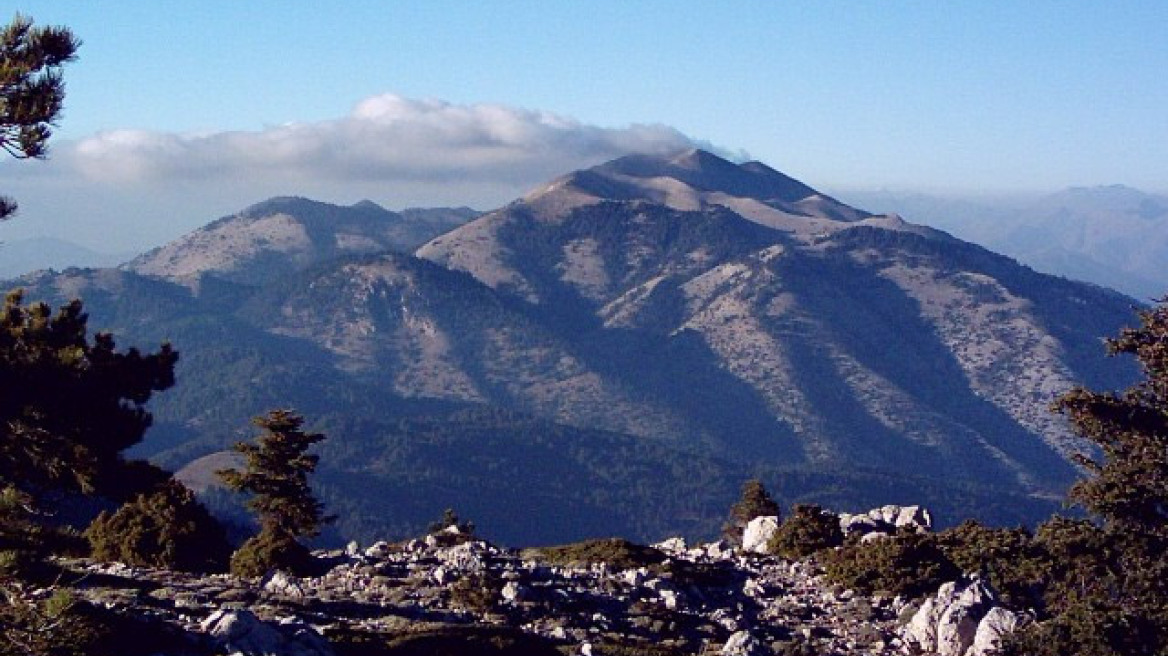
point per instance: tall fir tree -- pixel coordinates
(276, 474)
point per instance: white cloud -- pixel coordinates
(385, 138)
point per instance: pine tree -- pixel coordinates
(1128, 488)
(32, 91)
(71, 407)
(276, 474)
(1106, 581)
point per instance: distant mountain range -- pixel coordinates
(616, 351)
(21, 256)
(1113, 235)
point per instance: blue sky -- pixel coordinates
(173, 106)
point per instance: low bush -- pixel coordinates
(270, 550)
(1009, 559)
(617, 552)
(754, 502)
(167, 528)
(910, 564)
(478, 593)
(808, 530)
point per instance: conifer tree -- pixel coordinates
(1128, 488)
(1107, 580)
(755, 502)
(276, 474)
(32, 91)
(70, 407)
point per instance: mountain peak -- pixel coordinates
(707, 172)
(366, 204)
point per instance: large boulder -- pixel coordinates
(241, 633)
(947, 623)
(997, 624)
(758, 533)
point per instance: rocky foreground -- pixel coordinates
(604, 597)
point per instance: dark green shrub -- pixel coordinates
(1105, 593)
(1009, 559)
(268, 551)
(446, 538)
(809, 529)
(442, 640)
(478, 593)
(23, 542)
(617, 552)
(167, 528)
(63, 625)
(449, 519)
(905, 564)
(1086, 630)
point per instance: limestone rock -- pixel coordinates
(887, 519)
(742, 643)
(947, 622)
(997, 624)
(282, 584)
(241, 632)
(758, 533)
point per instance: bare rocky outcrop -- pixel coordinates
(962, 619)
(886, 520)
(241, 633)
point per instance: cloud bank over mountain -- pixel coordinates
(130, 189)
(385, 137)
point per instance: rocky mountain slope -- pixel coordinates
(945, 352)
(706, 320)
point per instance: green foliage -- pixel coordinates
(755, 502)
(1009, 559)
(1128, 489)
(442, 533)
(167, 528)
(909, 564)
(1106, 582)
(270, 550)
(60, 624)
(32, 91)
(617, 552)
(477, 592)
(443, 640)
(22, 540)
(808, 530)
(276, 474)
(70, 407)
